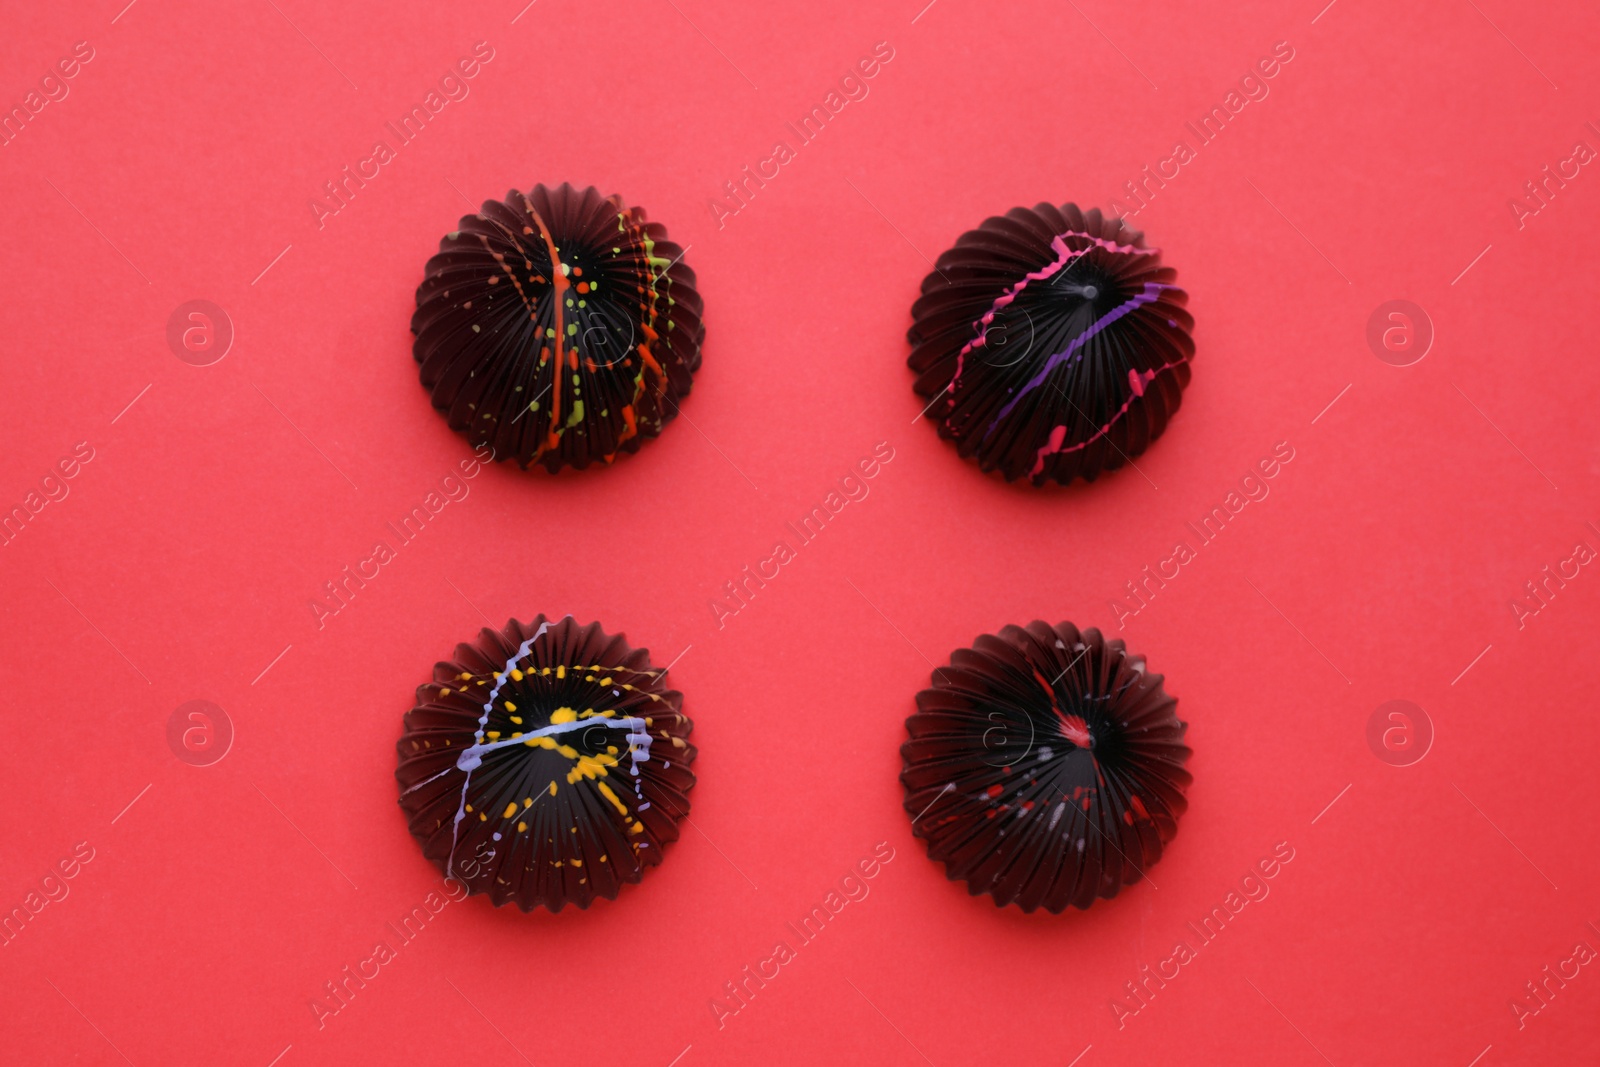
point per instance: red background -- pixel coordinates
(1383, 562)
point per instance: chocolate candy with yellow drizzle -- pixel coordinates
(558, 327)
(1045, 766)
(546, 764)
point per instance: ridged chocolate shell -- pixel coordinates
(1045, 767)
(558, 327)
(1051, 344)
(547, 763)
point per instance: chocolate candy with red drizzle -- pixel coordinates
(1045, 766)
(1051, 344)
(546, 764)
(558, 327)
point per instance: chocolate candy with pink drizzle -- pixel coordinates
(546, 764)
(1045, 767)
(1051, 344)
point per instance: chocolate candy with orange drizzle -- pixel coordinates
(1051, 344)
(1045, 767)
(558, 327)
(546, 764)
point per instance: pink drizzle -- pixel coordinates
(1064, 256)
(1138, 380)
